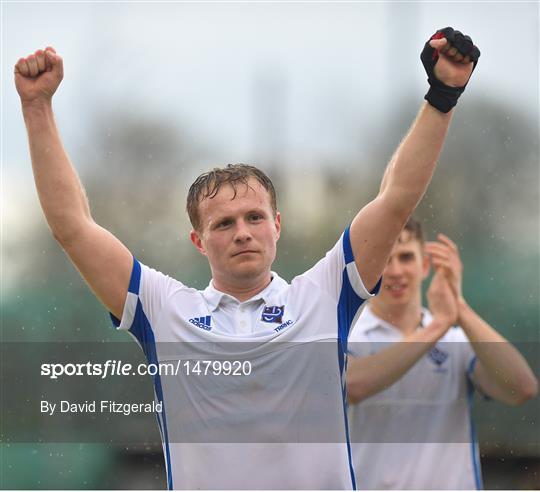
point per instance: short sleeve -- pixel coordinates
(337, 271)
(147, 293)
(337, 275)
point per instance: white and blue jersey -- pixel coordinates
(283, 426)
(418, 433)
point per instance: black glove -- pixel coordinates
(442, 96)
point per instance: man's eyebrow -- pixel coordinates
(220, 218)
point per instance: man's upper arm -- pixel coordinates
(374, 231)
(104, 263)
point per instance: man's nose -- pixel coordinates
(393, 268)
(242, 232)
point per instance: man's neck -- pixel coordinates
(243, 290)
(405, 318)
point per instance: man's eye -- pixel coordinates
(256, 217)
(407, 257)
(224, 223)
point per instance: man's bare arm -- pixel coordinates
(501, 371)
(103, 261)
(377, 226)
(369, 375)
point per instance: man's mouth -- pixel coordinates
(395, 288)
(247, 251)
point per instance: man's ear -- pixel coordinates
(197, 241)
(277, 223)
(426, 264)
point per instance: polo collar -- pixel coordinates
(373, 322)
(214, 297)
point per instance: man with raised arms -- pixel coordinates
(236, 225)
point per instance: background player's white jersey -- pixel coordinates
(418, 433)
(282, 426)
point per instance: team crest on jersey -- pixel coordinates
(273, 314)
(438, 356)
(204, 322)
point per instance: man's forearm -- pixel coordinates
(60, 191)
(411, 167)
(371, 374)
(500, 359)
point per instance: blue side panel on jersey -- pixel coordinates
(142, 331)
(474, 444)
(348, 305)
(341, 357)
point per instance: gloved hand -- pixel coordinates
(449, 58)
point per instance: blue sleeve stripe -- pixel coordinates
(348, 305)
(377, 287)
(349, 301)
(349, 259)
(115, 320)
(347, 248)
(133, 288)
(135, 280)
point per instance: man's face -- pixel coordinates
(238, 236)
(402, 279)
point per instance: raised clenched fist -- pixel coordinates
(38, 75)
(449, 58)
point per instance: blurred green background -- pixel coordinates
(140, 133)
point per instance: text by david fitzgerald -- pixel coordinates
(99, 406)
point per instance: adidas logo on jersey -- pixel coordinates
(203, 322)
